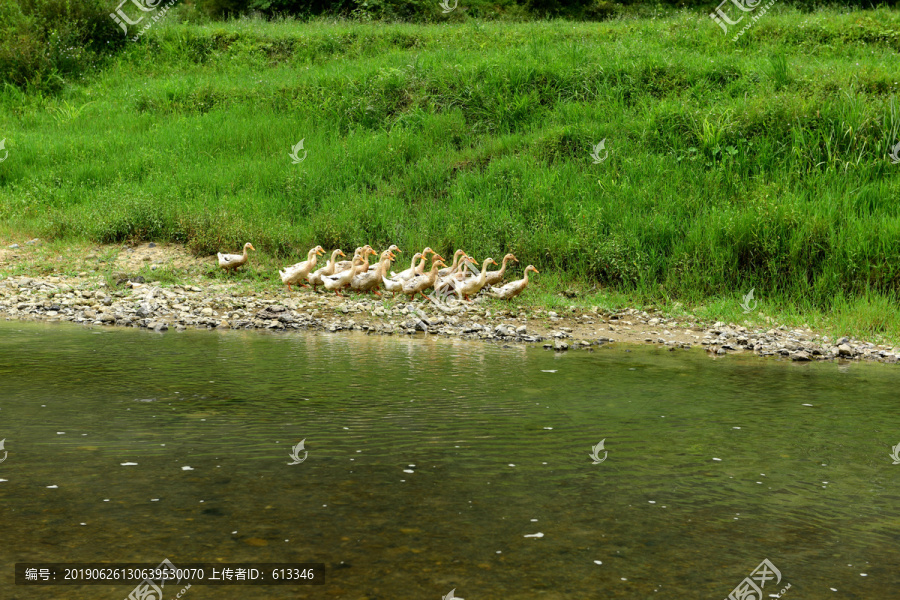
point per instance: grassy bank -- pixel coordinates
(761, 163)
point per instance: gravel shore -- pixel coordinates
(136, 303)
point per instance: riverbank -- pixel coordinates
(164, 288)
(592, 151)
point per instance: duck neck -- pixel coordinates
(383, 266)
(503, 266)
(483, 275)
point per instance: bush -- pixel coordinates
(44, 41)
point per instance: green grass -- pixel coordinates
(757, 164)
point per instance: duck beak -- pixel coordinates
(341, 253)
(251, 247)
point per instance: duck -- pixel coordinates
(229, 262)
(452, 268)
(346, 264)
(315, 278)
(421, 268)
(449, 281)
(341, 280)
(411, 271)
(392, 286)
(513, 288)
(473, 285)
(296, 273)
(495, 277)
(368, 281)
(419, 283)
(393, 248)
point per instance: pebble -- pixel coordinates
(147, 304)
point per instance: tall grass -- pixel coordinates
(759, 164)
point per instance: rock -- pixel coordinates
(160, 327)
(560, 346)
(521, 330)
(206, 312)
(151, 245)
(107, 318)
(800, 356)
(844, 349)
(13, 246)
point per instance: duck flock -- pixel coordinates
(462, 277)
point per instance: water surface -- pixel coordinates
(498, 442)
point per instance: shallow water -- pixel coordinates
(500, 448)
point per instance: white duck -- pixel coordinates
(315, 278)
(411, 271)
(420, 283)
(473, 285)
(495, 277)
(341, 280)
(421, 268)
(229, 262)
(296, 273)
(392, 249)
(346, 264)
(513, 288)
(454, 265)
(368, 281)
(449, 281)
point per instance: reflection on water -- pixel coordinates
(431, 461)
